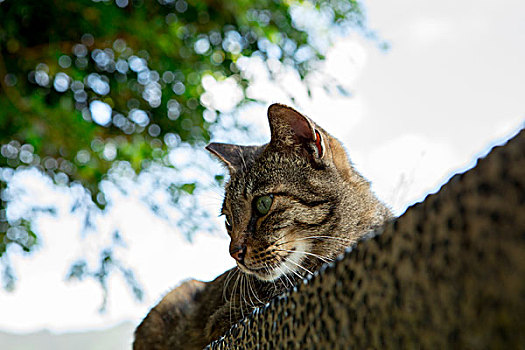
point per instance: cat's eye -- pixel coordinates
(227, 222)
(263, 204)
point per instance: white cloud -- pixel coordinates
(345, 61)
(404, 169)
(428, 30)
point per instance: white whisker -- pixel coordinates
(268, 269)
(232, 300)
(341, 239)
(323, 258)
(228, 279)
(241, 294)
(300, 266)
(284, 274)
(326, 237)
(254, 291)
(248, 290)
(293, 271)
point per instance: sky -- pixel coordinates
(451, 86)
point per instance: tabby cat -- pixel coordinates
(290, 206)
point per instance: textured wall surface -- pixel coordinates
(449, 273)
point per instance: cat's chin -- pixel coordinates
(263, 274)
(291, 265)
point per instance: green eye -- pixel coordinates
(263, 204)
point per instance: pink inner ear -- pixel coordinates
(318, 143)
(301, 127)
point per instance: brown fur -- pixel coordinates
(321, 205)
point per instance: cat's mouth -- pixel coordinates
(263, 273)
(269, 272)
(254, 271)
(288, 262)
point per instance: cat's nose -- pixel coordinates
(238, 252)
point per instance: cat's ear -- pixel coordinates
(290, 128)
(234, 157)
(229, 154)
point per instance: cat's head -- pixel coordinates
(295, 202)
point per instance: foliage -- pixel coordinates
(85, 85)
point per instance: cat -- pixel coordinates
(290, 206)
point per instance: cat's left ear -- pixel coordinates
(235, 157)
(290, 128)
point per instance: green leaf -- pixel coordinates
(188, 188)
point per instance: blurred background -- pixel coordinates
(107, 198)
